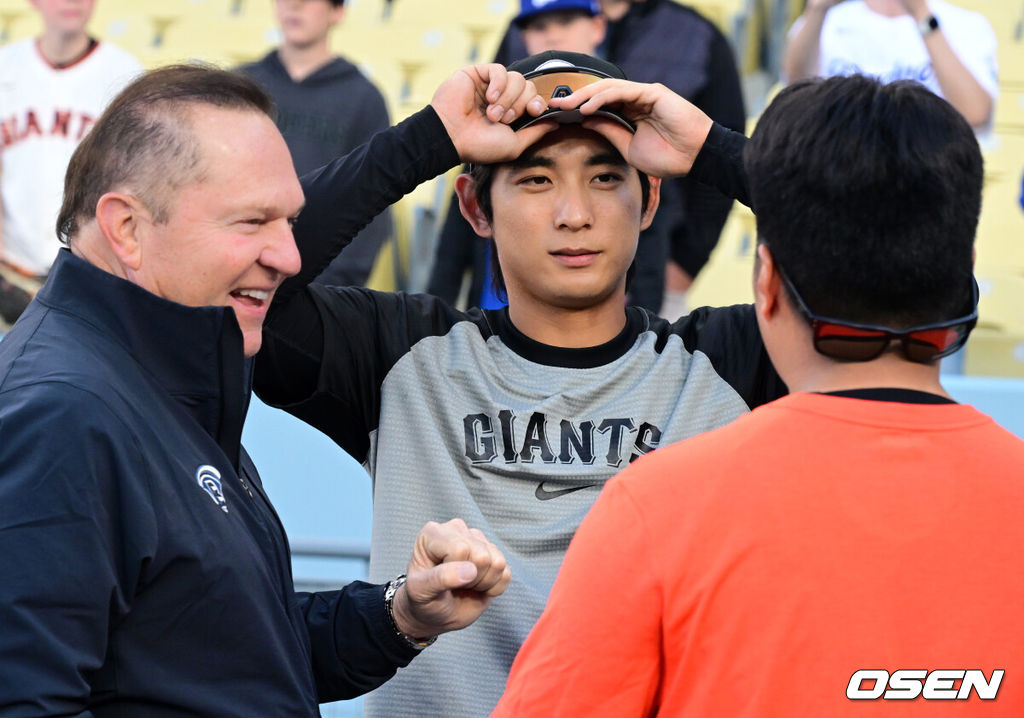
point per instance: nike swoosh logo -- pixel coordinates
(545, 495)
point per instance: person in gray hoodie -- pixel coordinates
(325, 108)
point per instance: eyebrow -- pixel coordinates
(606, 158)
(523, 163)
(601, 158)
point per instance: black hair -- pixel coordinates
(868, 197)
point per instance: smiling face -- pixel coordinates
(227, 240)
(566, 217)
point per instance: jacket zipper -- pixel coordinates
(245, 486)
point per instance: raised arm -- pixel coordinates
(802, 53)
(467, 119)
(959, 85)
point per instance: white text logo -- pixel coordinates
(908, 684)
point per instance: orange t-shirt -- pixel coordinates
(753, 570)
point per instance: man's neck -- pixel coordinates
(890, 371)
(301, 62)
(62, 49)
(569, 328)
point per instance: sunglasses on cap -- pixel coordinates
(852, 341)
(562, 82)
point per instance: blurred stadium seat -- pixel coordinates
(992, 352)
(321, 494)
(409, 46)
(18, 20)
(727, 277)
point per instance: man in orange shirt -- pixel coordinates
(855, 547)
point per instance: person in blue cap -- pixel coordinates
(569, 25)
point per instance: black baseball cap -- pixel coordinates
(558, 74)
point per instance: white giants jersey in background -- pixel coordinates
(44, 113)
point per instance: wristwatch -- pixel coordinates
(389, 607)
(927, 25)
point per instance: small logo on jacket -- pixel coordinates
(208, 479)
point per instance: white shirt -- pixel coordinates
(44, 113)
(858, 40)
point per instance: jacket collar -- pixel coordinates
(195, 353)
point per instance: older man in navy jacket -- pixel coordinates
(143, 570)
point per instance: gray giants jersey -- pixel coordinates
(460, 415)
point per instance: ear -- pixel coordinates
(465, 187)
(653, 199)
(767, 284)
(117, 216)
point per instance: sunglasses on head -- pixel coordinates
(562, 82)
(852, 341)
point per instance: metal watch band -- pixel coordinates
(389, 607)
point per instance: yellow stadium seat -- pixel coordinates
(141, 34)
(18, 21)
(407, 62)
(1005, 16)
(494, 14)
(384, 277)
(1009, 110)
(727, 277)
(990, 352)
(363, 13)
(1001, 305)
(1000, 239)
(1011, 63)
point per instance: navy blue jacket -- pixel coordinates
(143, 571)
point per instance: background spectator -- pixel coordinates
(950, 50)
(52, 88)
(325, 107)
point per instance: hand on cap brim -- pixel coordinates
(476, 105)
(669, 130)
